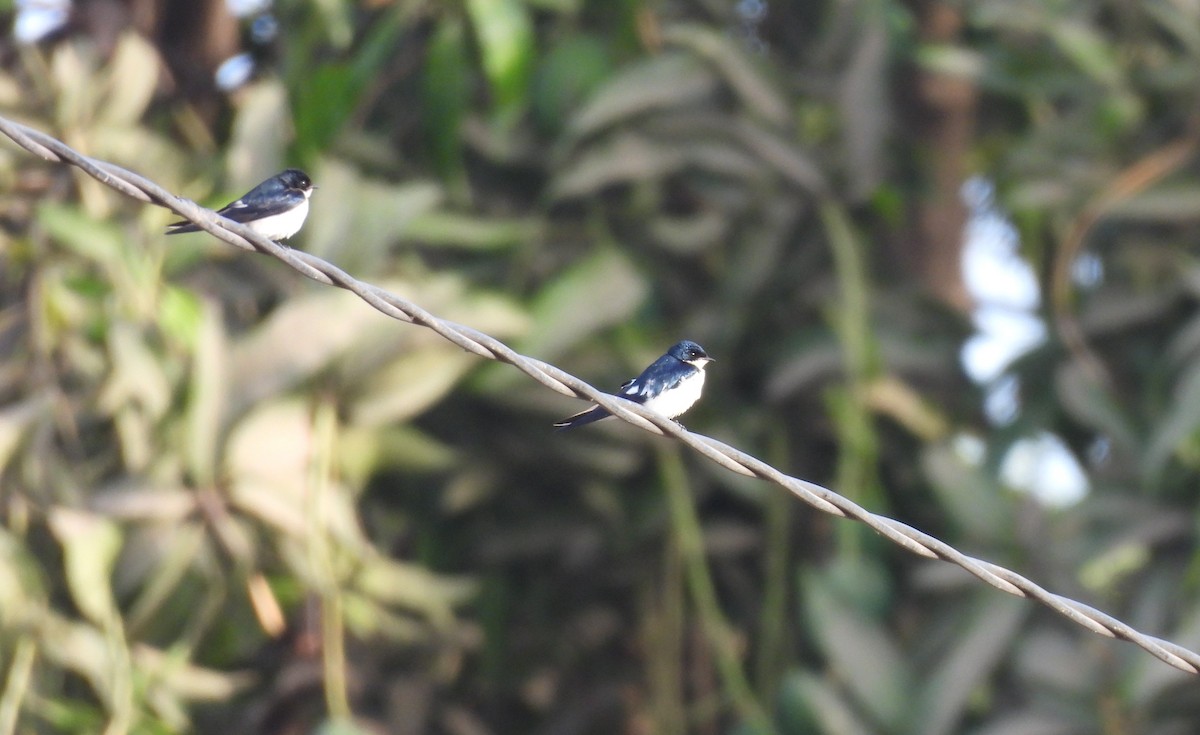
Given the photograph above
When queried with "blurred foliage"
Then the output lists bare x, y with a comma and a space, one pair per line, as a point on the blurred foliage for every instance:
236, 501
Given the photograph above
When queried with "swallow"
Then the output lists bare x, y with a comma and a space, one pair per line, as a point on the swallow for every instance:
275, 209
669, 386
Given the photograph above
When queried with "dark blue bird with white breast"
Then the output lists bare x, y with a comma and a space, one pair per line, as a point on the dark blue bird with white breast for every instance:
275, 209
669, 386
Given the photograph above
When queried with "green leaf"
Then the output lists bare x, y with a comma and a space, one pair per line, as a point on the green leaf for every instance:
967, 494
782, 155
322, 104
626, 158
180, 314
452, 230
993, 622
951, 60
1094, 405
1108, 570
415, 588
1177, 21
256, 149
90, 545
133, 74
171, 671
81, 648
343, 727
445, 94
811, 704
864, 103
206, 397
15, 420
1180, 422
728, 58
370, 619
100, 242
356, 219
21, 585
1173, 204
670, 79
364, 451
599, 292
568, 74
410, 384
137, 393
1088, 49
274, 358
267, 463
326, 96
861, 652
504, 32
138, 373
163, 580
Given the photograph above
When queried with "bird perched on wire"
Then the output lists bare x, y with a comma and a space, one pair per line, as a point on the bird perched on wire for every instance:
275, 209
669, 386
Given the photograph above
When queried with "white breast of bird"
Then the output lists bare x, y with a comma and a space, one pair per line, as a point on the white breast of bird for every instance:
281, 226
672, 403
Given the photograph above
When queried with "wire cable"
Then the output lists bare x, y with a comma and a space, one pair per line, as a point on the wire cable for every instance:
483, 345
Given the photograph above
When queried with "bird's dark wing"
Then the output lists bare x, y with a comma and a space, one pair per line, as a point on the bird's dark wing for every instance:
176, 228
663, 374
243, 211
240, 211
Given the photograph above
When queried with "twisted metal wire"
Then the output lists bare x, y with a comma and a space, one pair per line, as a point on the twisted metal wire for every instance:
483, 345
